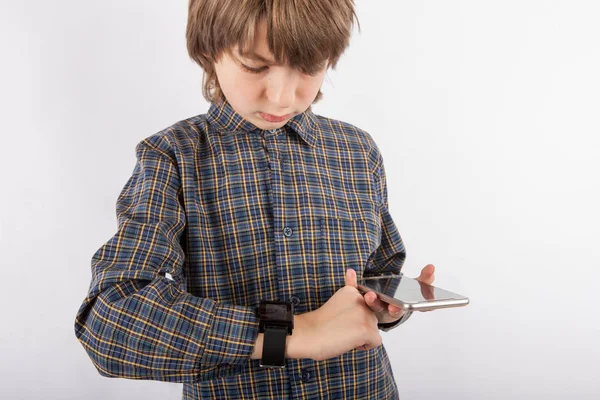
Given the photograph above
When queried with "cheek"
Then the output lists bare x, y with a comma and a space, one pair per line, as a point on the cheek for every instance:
249, 85
239, 86
313, 84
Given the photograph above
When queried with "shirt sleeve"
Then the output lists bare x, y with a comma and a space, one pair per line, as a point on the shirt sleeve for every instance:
137, 323
390, 255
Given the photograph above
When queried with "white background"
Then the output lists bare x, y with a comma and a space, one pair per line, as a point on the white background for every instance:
486, 113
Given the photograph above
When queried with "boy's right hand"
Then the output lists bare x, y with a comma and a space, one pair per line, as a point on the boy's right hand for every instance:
343, 323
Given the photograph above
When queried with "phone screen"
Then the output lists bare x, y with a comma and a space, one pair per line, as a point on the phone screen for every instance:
406, 289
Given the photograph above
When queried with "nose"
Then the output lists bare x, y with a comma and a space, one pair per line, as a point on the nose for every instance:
281, 90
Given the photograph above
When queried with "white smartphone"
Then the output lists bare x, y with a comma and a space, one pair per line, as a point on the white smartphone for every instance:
410, 294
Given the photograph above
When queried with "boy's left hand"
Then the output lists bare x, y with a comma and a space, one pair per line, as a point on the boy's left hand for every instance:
387, 313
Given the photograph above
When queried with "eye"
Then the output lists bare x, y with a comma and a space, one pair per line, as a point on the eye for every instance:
252, 70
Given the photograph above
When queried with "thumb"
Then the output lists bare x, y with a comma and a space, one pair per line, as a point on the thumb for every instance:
351, 277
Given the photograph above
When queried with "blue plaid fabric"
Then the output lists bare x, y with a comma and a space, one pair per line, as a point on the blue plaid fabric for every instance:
219, 214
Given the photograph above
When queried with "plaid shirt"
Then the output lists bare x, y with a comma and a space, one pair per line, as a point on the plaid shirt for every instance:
219, 214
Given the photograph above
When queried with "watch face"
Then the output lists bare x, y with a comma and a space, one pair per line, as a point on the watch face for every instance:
275, 311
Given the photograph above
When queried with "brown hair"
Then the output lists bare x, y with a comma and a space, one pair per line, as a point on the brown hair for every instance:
301, 33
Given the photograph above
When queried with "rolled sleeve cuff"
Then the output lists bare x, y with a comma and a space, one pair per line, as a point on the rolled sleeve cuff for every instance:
232, 337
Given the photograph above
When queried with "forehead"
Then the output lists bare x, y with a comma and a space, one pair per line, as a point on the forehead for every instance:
259, 49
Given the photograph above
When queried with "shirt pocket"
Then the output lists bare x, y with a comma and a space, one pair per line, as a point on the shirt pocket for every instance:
344, 243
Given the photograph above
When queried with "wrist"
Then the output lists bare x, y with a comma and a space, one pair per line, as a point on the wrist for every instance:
258, 346
297, 345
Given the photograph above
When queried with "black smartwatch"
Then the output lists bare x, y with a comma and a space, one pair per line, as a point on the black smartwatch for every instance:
276, 321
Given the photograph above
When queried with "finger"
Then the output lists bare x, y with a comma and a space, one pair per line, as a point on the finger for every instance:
374, 303
431, 279
428, 270
427, 280
351, 278
427, 274
395, 312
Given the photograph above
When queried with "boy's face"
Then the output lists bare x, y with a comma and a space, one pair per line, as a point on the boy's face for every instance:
278, 90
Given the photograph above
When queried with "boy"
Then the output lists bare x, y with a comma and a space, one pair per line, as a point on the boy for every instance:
259, 199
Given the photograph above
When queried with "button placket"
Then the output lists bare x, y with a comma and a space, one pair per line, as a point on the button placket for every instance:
284, 211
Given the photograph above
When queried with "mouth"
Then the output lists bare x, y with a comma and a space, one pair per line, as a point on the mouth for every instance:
274, 118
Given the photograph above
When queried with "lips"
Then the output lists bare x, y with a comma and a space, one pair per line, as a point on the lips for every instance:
274, 118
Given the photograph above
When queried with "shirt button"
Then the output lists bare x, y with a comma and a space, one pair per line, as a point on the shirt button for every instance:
305, 375
295, 300
287, 231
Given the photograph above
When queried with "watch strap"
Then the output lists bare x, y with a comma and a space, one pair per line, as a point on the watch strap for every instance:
273, 354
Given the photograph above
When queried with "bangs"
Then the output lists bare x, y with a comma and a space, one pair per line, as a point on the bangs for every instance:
301, 34
304, 41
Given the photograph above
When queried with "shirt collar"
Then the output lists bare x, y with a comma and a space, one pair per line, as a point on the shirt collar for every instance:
227, 119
